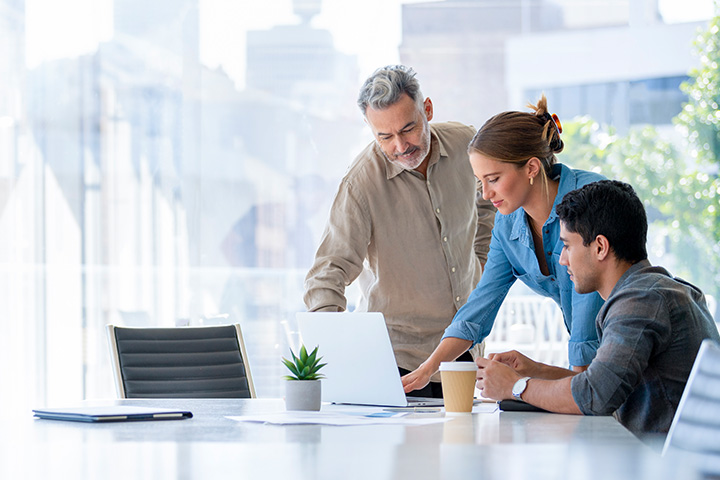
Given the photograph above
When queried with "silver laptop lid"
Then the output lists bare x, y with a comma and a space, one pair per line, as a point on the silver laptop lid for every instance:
361, 366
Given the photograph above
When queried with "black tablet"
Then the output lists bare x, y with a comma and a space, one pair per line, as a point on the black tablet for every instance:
519, 406
116, 413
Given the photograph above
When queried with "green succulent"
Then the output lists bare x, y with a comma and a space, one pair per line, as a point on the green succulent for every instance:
304, 366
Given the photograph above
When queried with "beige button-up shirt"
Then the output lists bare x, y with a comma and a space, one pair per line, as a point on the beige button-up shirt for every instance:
424, 240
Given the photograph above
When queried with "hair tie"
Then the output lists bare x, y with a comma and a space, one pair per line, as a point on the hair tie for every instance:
557, 143
557, 123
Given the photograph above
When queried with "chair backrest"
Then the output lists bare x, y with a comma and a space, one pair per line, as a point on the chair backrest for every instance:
180, 362
696, 426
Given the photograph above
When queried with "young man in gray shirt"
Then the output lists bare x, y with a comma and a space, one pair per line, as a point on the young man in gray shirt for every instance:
410, 210
650, 327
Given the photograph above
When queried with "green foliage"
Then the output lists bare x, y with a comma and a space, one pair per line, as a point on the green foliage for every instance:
680, 195
677, 180
304, 366
700, 120
700, 115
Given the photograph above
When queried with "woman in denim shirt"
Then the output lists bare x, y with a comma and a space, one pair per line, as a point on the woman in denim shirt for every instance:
513, 155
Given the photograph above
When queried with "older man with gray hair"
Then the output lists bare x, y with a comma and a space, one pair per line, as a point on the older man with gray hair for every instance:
408, 211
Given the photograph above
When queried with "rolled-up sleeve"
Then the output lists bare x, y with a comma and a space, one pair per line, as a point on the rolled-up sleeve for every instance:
342, 250
632, 328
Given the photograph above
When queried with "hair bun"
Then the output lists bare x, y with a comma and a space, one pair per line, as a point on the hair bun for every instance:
557, 145
540, 108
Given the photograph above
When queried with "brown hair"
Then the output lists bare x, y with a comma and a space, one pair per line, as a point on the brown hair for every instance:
516, 137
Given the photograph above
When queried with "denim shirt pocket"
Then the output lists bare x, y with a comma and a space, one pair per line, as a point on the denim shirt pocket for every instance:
541, 288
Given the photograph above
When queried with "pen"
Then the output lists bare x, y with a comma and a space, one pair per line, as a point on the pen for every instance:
485, 400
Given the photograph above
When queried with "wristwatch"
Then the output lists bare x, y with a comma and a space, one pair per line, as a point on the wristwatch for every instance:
520, 387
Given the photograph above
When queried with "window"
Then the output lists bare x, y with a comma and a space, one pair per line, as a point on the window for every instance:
173, 162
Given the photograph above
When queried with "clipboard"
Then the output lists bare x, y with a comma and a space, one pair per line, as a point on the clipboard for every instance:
115, 413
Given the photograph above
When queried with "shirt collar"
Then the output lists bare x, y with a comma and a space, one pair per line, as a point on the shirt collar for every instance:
437, 151
634, 268
567, 182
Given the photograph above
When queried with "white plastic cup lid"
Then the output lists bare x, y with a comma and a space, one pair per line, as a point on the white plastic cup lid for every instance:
458, 366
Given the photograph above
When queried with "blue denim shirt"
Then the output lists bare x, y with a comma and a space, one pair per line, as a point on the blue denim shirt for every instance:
512, 256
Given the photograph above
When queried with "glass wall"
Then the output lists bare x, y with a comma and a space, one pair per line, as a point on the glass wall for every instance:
172, 162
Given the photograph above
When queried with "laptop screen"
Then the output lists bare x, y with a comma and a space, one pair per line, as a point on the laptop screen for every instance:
361, 366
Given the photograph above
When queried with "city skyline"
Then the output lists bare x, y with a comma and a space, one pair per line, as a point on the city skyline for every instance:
54, 30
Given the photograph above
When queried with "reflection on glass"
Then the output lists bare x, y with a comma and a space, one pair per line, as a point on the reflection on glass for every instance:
173, 162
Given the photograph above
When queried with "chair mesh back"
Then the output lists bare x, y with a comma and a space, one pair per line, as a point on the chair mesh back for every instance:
696, 426
195, 362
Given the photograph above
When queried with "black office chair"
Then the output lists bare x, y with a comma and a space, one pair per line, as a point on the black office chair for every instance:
695, 432
181, 362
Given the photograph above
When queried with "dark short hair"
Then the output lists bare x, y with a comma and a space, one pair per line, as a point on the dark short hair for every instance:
609, 208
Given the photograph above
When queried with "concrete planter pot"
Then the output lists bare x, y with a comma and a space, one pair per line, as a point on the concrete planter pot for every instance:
303, 395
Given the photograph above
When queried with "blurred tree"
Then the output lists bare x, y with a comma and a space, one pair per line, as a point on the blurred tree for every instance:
700, 122
677, 180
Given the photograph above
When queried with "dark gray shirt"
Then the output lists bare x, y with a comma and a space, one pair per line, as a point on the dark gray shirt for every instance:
650, 330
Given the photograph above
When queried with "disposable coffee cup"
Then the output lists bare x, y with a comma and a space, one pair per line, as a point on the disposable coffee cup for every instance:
458, 386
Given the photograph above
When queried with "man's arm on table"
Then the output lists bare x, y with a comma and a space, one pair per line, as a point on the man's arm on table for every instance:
549, 388
551, 395
448, 350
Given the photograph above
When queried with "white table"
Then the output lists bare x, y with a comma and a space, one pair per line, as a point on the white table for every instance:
501, 445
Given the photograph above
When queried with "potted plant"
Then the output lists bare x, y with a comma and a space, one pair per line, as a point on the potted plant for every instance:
303, 388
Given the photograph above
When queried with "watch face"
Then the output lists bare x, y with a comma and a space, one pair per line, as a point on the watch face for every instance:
519, 387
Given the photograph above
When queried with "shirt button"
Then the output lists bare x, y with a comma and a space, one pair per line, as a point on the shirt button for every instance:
444, 239
457, 299
452, 269
552, 279
547, 231
549, 253
437, 210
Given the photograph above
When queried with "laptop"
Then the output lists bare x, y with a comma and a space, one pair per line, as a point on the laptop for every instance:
361, 367
117, 413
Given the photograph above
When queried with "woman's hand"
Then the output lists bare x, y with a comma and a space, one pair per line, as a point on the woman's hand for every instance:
416, 379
